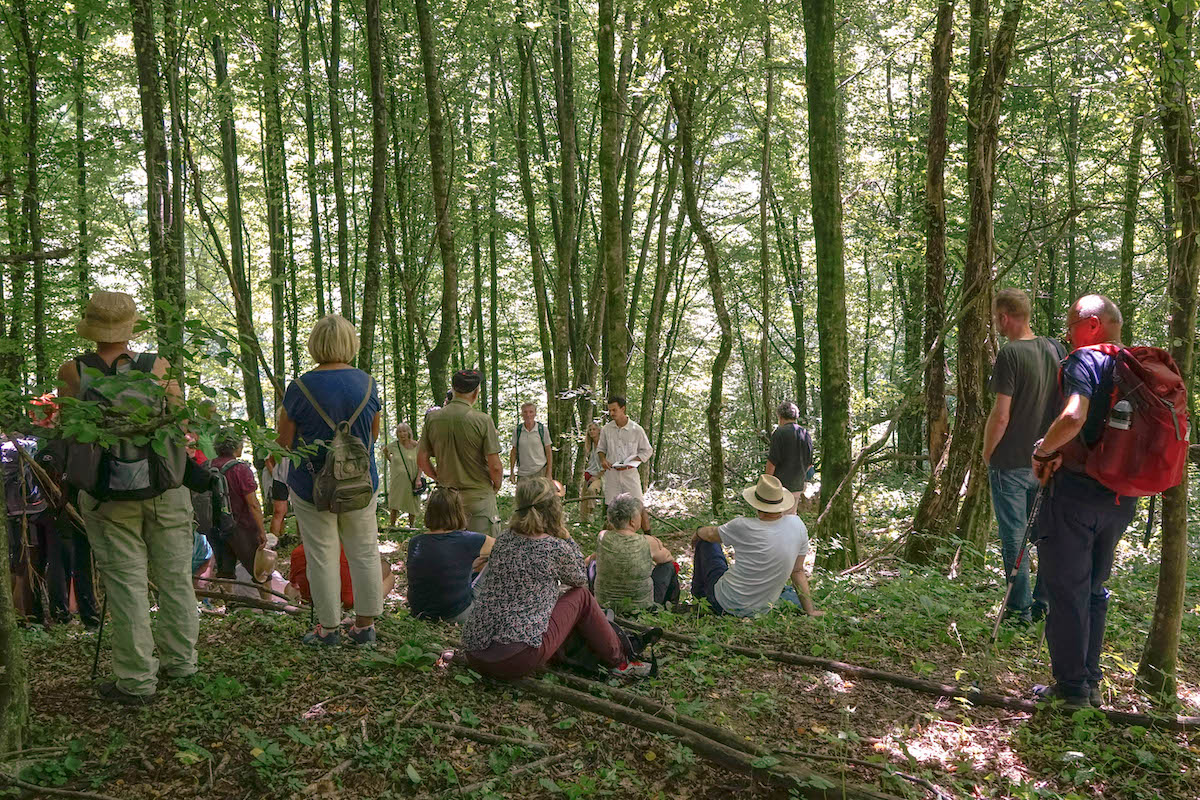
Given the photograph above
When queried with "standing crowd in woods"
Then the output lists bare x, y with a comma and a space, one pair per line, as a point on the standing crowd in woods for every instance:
144, 509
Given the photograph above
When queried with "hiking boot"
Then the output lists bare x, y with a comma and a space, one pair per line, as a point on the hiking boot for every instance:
640, 641
363, 637
322, 638
109, 690
1094, 695
1054, 692
631, 669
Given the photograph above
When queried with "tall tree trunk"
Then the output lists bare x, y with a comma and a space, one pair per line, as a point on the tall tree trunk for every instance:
275, 165
379, 137
563, 59
1129, 224
800, 362
333, 68
310, 131
764, 242
683, 96
13, 358
176, 269
936, 424
493, 240
1072, 152
611, 246
908, 287
476, 254
1156, 674
247, 336
14, 678
938, 514
82, 271
31, 50
439, 356
824, 149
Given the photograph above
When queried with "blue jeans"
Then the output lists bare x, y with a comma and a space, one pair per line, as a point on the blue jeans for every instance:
1013, 491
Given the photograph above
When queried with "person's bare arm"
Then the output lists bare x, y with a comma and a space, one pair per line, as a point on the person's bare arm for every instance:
512, 462
375, 423
495, 470
709, 533
486, 550
256, 513
997, 424
770, 468
1065, 428
174, 393
800, 581
549, 461
658, 551
286, 430
423, 461
68, 379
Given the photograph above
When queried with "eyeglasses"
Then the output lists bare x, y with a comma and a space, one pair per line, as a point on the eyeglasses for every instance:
1071, 325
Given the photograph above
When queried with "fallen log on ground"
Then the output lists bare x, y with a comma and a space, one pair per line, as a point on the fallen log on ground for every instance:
783, 776
251, 602
970, 694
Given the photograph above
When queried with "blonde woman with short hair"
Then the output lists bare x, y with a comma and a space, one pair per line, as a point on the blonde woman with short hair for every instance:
340, 390
405, 475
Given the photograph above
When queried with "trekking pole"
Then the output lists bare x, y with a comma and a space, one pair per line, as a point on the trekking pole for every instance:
99, 636
1012, 575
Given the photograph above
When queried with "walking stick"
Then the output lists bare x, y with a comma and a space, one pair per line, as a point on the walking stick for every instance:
99, 636
1012, 575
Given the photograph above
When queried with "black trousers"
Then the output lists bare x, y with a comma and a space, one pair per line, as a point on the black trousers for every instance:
1078, 529
71, 567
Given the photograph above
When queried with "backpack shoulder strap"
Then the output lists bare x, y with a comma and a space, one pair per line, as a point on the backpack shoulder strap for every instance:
92, 360
541, 432
230, 465
363, 404
145, 362
317, 406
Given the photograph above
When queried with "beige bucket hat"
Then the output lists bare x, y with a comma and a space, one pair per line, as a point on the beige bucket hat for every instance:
264, 564
769, 495
109, 317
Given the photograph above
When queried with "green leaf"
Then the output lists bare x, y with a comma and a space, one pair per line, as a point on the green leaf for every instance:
299, 736
413, 775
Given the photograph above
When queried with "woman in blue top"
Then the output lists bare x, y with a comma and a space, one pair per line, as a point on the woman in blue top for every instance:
440, 562
339, 389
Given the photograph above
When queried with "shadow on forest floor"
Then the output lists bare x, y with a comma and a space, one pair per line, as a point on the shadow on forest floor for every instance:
268, 718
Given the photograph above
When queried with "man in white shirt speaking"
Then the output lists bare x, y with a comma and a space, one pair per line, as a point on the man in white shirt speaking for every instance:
623, 446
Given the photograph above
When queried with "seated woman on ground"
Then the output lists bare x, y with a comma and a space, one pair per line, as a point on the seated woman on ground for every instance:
631, 570
519, 621
439, 562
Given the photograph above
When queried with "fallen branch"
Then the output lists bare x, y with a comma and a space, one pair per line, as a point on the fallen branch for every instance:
530, 767
936, 790
778, 775
970, 694
480, 736
47, 790
257, 587
315, 786
250, 601
32, 752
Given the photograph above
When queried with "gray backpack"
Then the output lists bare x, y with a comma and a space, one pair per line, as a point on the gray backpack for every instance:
344, 482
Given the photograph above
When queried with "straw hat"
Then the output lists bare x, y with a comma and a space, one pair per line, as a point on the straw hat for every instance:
109, 317
769, 495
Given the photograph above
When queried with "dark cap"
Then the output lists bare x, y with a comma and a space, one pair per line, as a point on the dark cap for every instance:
466, 381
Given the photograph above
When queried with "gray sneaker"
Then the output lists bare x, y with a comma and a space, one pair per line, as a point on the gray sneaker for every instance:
322, 638
363, 637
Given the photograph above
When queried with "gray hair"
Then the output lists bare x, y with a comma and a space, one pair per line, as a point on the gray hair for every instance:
333, 339
1099, 306
623, 510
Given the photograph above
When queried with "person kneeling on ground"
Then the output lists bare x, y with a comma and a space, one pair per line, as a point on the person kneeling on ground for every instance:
631, 569
298, 587
519, 621
439, 562
769, 548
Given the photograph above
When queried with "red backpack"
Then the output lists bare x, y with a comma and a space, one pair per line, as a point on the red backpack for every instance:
1143, 447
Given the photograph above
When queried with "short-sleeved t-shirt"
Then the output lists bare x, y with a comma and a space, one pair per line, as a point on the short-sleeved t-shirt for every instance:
439, 573
1089, 373
791, 452
764, 553
339, 391
531, 448
240, 478
1027, 371
460, 439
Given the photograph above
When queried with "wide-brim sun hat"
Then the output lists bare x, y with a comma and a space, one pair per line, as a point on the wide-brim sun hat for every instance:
109, 317
769, 495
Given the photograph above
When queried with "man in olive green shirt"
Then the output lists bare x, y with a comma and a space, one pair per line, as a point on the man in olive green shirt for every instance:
460, 449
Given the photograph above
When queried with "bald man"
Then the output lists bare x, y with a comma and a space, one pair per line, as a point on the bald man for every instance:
1081, 520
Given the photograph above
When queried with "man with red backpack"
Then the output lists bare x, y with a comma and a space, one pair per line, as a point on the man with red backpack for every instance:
1122, 434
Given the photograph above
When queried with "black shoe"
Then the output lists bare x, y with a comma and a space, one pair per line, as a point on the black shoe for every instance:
1094, 695
1054, 693
641, 641
110, 691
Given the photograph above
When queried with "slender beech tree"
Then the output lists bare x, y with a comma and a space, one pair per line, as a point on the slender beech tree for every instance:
310, 139
379, 139
493, 239
1132, 193
764, 242
176, 250
824, 159
82, 271
333, 67
31, 48
936, 422
612, 250
1156, 673
439, 356
275, 165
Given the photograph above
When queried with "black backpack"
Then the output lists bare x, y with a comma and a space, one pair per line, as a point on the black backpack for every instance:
222, 509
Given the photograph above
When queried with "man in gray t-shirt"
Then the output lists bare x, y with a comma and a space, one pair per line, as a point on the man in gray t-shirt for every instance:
532, 455
1025, 381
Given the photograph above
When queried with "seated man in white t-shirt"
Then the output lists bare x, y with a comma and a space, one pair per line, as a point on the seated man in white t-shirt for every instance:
768, 549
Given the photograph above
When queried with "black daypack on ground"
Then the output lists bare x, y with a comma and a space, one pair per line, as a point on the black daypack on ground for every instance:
576, 655
123, 471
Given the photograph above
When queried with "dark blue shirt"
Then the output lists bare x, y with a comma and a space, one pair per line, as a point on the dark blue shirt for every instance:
439, 573
1089, 373
339, 391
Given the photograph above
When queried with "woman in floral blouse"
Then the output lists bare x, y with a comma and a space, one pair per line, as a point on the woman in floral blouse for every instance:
520, 621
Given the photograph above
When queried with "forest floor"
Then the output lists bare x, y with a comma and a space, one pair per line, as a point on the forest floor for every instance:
266, 717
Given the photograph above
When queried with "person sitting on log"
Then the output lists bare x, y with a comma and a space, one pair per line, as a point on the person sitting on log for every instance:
440, 561
519, 621
769, 548
631, 570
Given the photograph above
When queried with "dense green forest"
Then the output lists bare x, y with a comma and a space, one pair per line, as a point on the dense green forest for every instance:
707, 207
